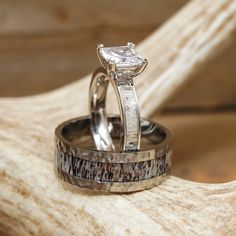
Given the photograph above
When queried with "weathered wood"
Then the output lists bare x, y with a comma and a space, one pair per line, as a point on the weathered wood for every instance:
46, 45
213, 86
34, 201
209, 30
39, 16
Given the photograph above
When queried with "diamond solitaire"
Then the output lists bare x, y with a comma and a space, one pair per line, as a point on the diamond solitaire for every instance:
122, 59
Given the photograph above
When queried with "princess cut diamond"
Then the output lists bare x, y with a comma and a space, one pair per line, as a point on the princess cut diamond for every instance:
124, 58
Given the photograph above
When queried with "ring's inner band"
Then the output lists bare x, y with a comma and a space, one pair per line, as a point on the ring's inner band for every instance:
130, 119
99, 124
79, 133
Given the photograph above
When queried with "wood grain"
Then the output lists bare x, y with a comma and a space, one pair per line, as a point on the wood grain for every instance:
44, 45
205, 35
212, 87
34, 202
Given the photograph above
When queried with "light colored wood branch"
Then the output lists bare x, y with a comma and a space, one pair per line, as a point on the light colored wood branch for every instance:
34, 202
182, 46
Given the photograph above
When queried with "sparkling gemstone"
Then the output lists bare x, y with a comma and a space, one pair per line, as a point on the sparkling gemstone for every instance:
124, 57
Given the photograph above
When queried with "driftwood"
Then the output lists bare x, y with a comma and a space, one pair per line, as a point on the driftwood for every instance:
34, 201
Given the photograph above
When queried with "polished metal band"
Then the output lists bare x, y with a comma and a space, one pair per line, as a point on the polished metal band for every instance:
78, 162
128, 105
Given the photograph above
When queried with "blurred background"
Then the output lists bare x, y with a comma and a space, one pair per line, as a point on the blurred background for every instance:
46, 44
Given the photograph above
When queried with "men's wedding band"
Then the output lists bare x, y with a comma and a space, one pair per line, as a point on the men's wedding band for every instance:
80, 163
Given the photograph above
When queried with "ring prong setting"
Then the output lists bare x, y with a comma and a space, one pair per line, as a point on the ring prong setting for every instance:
121, 59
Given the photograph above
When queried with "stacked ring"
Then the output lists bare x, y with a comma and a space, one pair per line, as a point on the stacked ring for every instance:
113, 153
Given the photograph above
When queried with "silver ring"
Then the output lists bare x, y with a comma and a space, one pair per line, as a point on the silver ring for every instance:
80, 163
119, 66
